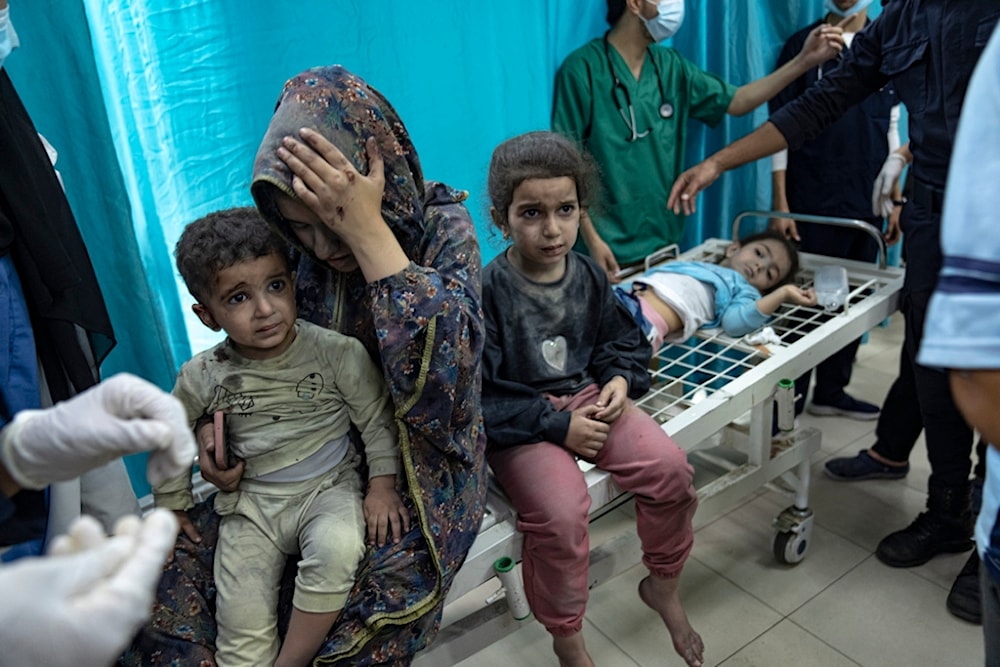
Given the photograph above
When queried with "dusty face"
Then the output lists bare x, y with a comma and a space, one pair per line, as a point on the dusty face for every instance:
254, 302
763, 263
315, 235
543, 221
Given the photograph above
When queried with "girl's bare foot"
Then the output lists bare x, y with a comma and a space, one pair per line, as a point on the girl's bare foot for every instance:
571, 651
661, 595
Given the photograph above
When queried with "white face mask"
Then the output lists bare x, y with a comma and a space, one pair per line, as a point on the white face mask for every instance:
830, 6
668, 19
8, 38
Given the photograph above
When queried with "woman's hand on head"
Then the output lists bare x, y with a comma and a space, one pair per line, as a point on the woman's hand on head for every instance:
348, 202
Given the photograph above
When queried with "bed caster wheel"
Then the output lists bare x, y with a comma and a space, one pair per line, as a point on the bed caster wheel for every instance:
791, 539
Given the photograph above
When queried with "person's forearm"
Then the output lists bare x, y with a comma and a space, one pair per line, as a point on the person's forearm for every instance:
751, 95
762, 142
379, 254
769, 303
779, 196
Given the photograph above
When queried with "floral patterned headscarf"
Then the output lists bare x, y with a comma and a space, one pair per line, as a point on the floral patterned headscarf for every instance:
346, 110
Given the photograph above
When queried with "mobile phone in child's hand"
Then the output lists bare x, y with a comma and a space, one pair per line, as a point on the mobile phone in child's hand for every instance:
221, 460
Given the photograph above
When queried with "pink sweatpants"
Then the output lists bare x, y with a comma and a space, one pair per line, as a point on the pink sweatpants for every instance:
550, 495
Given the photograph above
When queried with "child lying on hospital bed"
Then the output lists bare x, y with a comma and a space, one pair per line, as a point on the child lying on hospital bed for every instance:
739, 294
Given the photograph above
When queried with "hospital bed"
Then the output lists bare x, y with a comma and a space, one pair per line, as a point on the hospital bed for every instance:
715, 396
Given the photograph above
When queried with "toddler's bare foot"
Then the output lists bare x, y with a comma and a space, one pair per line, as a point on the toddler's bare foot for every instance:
571, 651
661, 595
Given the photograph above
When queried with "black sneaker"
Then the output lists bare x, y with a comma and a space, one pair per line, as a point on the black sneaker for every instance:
964, 599
845, 406
861, 467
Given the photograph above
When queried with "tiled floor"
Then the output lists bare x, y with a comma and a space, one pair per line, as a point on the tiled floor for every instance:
839, 606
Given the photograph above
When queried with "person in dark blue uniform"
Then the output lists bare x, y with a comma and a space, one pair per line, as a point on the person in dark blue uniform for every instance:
832, 175
927, 49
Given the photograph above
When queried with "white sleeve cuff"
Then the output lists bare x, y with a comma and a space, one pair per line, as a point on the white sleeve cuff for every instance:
779, 161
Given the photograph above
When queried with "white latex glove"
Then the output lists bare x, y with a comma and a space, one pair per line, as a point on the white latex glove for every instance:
886, 180
122, 415
85, 607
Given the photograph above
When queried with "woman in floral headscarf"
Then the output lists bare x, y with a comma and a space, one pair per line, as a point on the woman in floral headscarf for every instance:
393, 261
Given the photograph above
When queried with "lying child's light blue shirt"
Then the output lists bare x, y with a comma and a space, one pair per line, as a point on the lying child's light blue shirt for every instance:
735, 298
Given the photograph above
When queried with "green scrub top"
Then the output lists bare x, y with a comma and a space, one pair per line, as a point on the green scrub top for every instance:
632, 215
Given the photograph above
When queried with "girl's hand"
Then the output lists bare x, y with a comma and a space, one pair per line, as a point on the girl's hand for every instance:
799, 295
586, 433
384, 511
612, 400
348, 202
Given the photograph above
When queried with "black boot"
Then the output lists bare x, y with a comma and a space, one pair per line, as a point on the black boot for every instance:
946, 527
964, 598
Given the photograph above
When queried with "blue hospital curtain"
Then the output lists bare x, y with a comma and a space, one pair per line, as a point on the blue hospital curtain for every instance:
157, 109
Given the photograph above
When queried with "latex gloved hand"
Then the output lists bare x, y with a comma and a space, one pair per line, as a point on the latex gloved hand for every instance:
122, 415
886, 180
83, 607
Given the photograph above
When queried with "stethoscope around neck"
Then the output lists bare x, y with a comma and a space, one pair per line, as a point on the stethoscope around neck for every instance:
666, 108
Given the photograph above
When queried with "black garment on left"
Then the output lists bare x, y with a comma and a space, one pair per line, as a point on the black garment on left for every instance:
39, 231
69, 320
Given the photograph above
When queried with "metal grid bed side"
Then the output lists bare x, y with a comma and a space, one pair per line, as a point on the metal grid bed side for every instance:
691, 410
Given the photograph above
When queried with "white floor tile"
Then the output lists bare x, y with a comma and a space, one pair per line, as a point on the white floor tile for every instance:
739, 547
884, 617
532, 645
863, 512
788, 644
724, 616
839, 433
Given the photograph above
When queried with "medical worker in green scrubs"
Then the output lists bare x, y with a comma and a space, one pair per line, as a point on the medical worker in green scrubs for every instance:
628, 101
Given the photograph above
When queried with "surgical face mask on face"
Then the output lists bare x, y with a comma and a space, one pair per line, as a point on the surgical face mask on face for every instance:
831, 6
8, 38
668, 19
